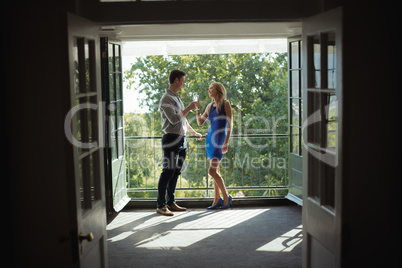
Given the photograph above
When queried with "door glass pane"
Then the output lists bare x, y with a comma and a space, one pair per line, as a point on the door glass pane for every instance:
314, 117
97, 175
331, 128
94, 178
329, 183
94, 120
91, 117
314, 175
118, 86
112, 76
316, 68
295, 112
111, 87
87, 65
90, 124
119, 114
113, 145
81, 183
91, 177
331, 120
331, 60
76, 121
83, 123
116, 52
301, 54
112, 117
82, 82
86, 178
92, 66
75, 66
295, 140
120, 142
295, 83
294, 47
117, 58
89, 180
111, 58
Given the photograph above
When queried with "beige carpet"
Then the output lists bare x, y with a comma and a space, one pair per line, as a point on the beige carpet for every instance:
238, 237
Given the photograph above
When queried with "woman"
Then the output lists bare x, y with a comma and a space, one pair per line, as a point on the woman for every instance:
219, 113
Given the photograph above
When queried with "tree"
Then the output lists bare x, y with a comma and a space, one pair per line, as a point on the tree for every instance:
257, 90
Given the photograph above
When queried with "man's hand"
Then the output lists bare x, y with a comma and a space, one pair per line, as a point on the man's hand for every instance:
189, 108
199, 135
193, 105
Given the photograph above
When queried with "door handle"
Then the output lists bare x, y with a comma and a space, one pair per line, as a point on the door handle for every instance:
89, 237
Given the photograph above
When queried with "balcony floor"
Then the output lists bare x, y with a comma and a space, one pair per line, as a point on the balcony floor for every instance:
237, 237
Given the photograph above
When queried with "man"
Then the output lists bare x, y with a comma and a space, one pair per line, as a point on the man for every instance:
174, 144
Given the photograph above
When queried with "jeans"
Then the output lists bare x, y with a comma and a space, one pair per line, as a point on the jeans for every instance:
174, 154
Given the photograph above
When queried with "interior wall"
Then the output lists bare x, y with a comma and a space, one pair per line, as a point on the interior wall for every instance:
35, 49
191, 11
372, 140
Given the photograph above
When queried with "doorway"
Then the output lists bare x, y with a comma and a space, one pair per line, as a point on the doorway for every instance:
304, 36
179, 39
296, 97
146, 217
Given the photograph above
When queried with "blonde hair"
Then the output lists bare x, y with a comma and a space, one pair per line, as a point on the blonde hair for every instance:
221, 97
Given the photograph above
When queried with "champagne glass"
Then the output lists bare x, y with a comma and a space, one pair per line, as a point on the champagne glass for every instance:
195, 98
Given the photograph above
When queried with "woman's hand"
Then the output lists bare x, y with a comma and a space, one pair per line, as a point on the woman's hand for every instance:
225, 148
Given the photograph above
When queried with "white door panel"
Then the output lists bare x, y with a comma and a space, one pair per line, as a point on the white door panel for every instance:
322, 143
86, 123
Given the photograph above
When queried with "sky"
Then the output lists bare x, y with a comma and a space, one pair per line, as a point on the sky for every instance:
131, 97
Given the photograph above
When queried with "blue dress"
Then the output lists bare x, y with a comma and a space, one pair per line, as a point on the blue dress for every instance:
216, 134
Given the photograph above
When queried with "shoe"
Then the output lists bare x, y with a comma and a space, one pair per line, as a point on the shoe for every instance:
175, 207
228, 205
164, 211
218, 204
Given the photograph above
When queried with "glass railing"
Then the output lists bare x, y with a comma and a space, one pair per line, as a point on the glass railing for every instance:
254, 166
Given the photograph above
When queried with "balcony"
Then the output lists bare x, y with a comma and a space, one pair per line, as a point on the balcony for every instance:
255, 166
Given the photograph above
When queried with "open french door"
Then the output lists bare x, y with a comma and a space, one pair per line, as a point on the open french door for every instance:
322, 143
295, 193
85, 123
112, 95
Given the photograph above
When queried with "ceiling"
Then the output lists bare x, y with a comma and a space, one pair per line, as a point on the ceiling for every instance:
202, 38
202, 31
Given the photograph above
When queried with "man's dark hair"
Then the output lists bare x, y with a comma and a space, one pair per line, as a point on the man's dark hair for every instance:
176, 74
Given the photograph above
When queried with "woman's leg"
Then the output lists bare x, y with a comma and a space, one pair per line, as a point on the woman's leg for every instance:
217, 194
218, 182
216, 190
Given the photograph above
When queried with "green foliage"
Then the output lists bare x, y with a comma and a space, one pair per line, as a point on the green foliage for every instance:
257, 88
